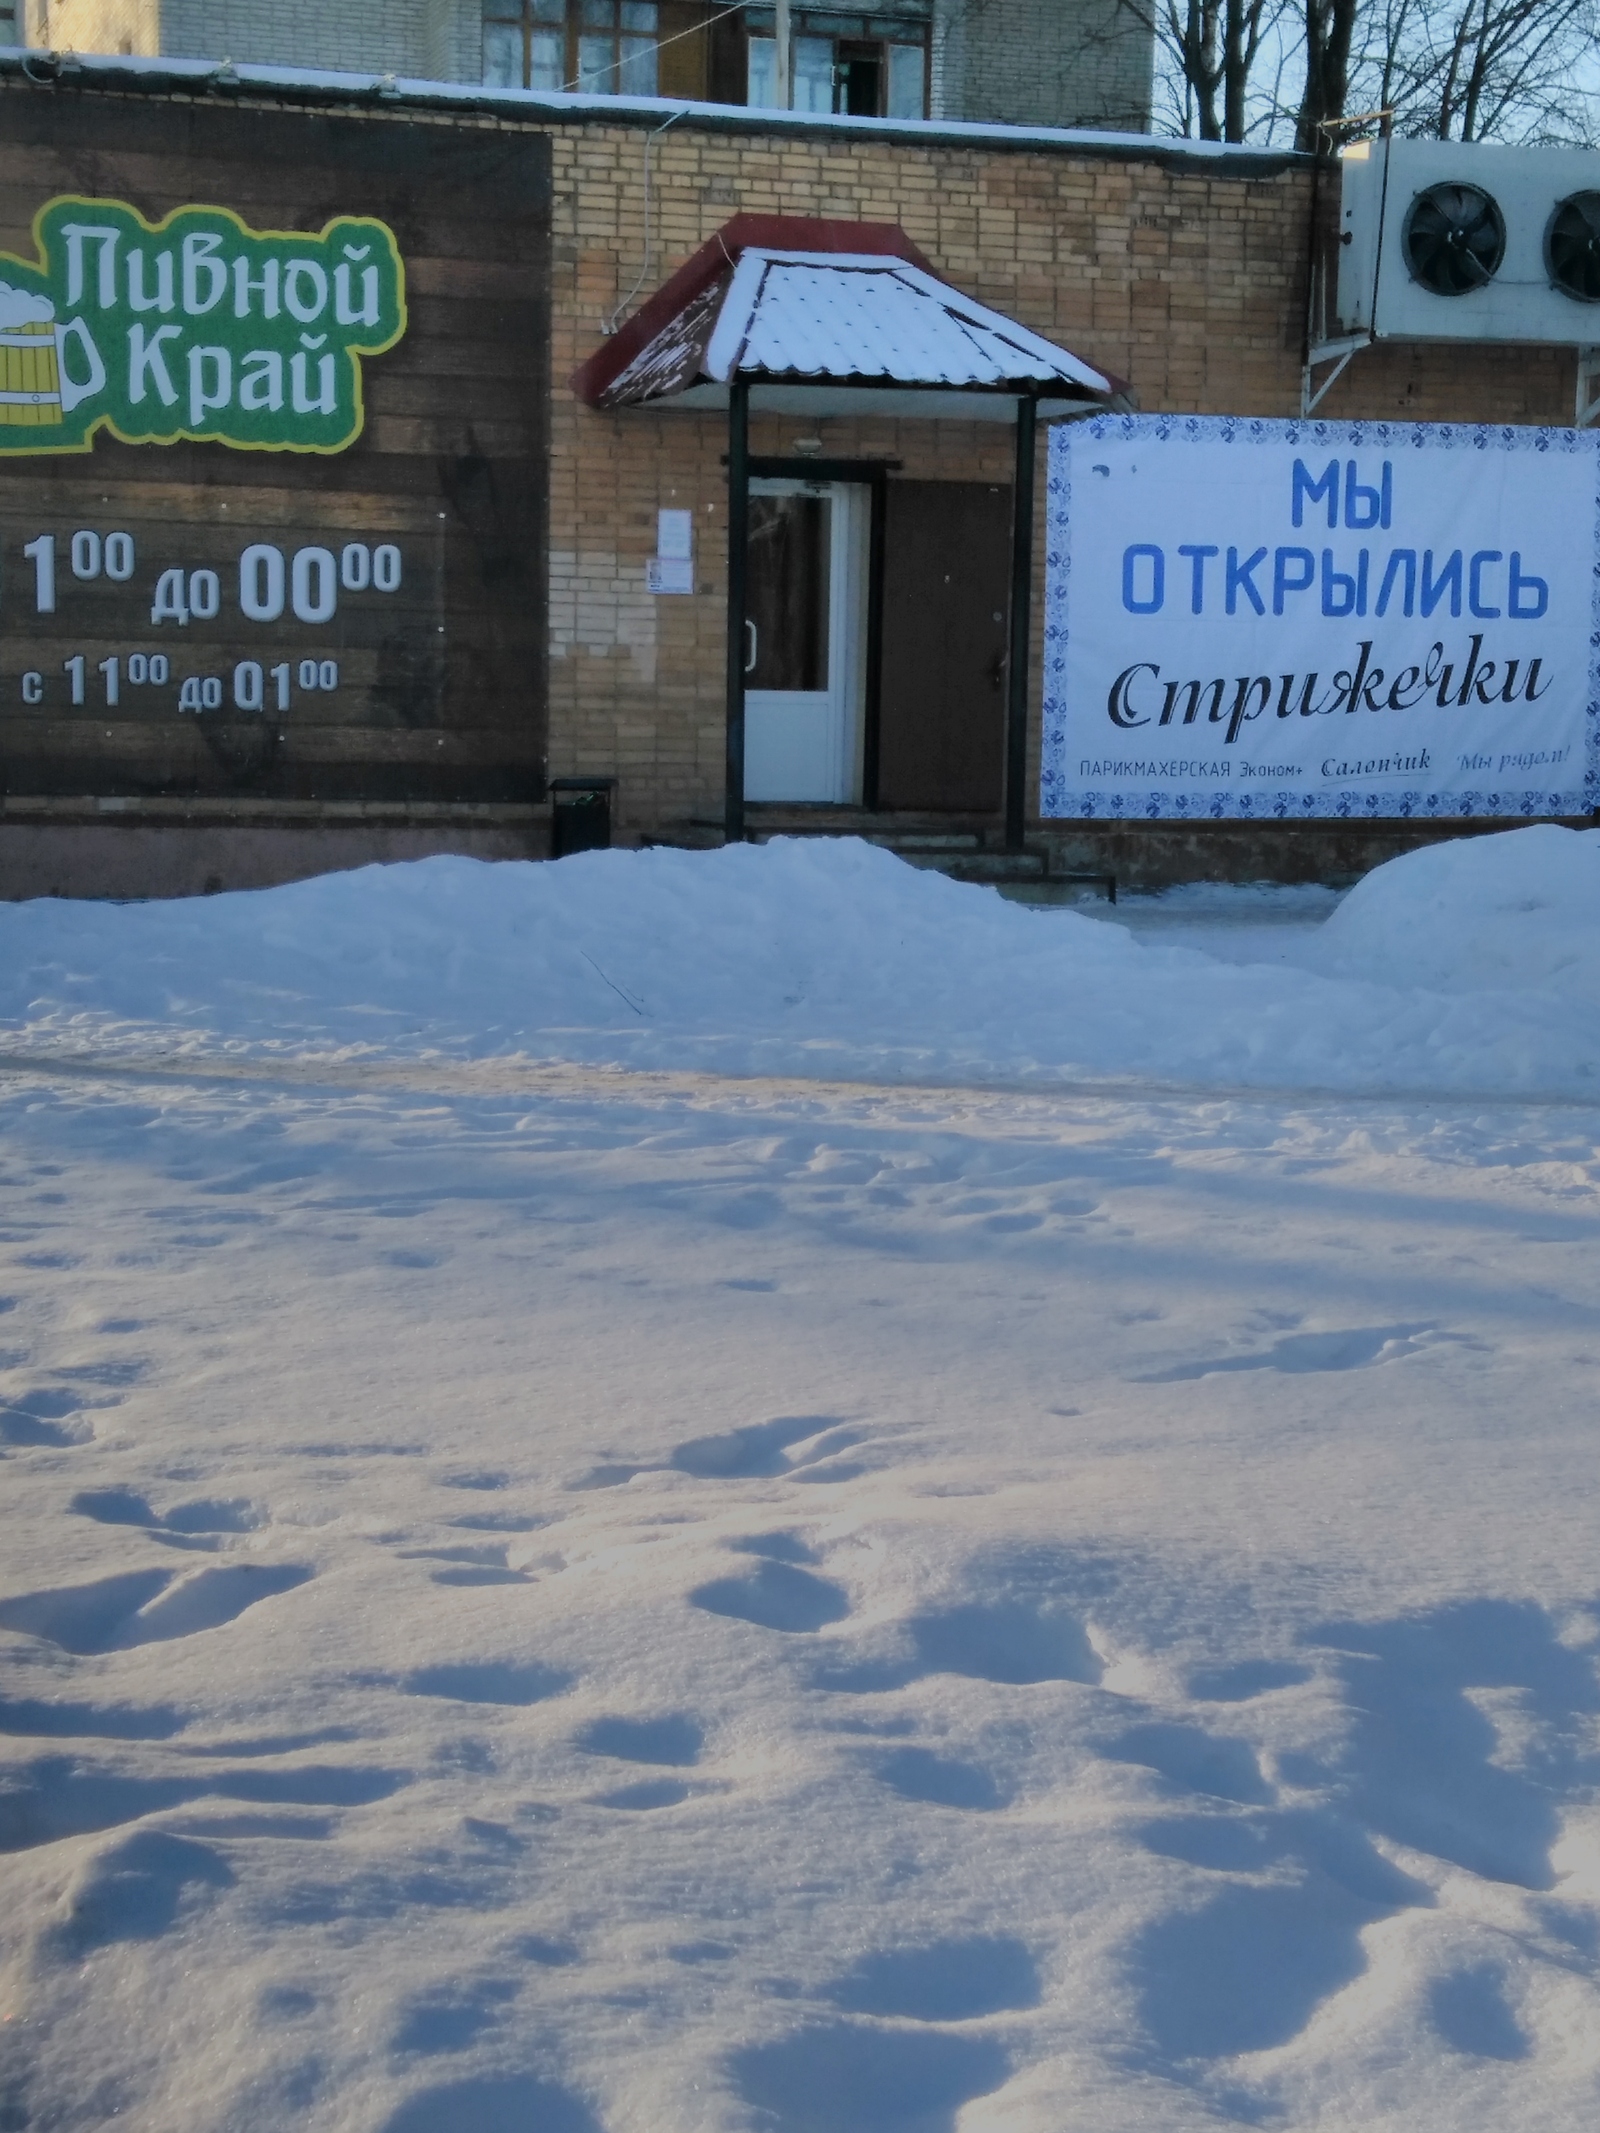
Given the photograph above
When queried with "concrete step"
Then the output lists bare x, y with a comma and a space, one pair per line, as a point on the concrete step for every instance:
980, 866
905, 841
1055, 894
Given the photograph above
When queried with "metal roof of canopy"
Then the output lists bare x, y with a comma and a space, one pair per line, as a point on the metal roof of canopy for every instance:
831, 327
820, 317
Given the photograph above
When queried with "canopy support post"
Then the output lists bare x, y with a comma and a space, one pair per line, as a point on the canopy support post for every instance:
1021, 618
738, 558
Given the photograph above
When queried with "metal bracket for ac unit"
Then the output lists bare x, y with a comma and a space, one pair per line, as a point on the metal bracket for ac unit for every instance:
1587, 405
1338, 353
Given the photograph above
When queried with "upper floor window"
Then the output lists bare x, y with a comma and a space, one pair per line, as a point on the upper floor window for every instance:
869, 67
606, 47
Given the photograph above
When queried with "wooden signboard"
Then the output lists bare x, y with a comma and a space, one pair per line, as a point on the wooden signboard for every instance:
274, 392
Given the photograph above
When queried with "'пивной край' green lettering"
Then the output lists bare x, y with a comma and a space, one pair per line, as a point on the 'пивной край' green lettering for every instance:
196, 327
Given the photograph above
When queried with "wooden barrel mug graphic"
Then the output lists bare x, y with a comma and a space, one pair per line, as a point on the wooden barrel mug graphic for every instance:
36, 388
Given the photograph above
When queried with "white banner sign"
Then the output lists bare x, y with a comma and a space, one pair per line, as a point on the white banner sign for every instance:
1294, 619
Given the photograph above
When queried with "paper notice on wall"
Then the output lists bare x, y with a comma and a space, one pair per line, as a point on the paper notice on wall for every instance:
666, 574
675, 535
1290, 620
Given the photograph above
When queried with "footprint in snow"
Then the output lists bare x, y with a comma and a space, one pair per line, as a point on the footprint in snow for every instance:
53, 1415
451, 2021
940, 1781
775, 1596
844, 2076
1357, 1348
1017, 1641
759, 1451
675, 1740
198, 1524
1469, 2012
64, 1796
1421, 1763
493, 2103
31, 1718
146, 1606
941, 1981
481, 1563
1245, 1681
650, 1792
1013, 1642
515, 1684
1196, 1761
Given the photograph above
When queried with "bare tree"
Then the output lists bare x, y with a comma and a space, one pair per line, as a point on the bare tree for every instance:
1211, 55
1474, 70
1330, 27
1467, 70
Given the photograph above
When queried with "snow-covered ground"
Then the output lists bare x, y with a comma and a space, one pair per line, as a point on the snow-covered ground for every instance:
1030, 1565
1251, 922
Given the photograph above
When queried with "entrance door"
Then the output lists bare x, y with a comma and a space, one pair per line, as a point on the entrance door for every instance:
804, 664
946, 593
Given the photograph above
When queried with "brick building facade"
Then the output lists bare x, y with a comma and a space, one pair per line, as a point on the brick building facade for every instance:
1182, 272
1014, 62
1178, 268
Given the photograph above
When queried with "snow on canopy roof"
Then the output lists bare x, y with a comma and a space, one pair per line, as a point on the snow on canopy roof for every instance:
825, 316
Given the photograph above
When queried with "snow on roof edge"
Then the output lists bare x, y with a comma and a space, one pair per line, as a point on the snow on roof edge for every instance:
560, 105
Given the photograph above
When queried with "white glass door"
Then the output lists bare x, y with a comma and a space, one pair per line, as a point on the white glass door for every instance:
804, 664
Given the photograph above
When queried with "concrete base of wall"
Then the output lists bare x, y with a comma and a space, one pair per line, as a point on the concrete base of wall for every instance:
1159, 855
130, 861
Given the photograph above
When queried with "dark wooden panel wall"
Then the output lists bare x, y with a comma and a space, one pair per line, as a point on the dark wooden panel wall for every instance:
436, 691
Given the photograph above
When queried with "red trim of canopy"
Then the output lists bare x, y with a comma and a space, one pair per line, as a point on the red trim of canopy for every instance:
784, 233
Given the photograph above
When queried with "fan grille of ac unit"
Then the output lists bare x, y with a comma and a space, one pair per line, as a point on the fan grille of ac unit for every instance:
1454, 239
1572, 247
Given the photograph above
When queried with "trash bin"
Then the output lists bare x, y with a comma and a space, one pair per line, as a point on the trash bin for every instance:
580, 815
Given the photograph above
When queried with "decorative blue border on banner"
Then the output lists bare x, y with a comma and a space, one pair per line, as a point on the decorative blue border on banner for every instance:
1061, 801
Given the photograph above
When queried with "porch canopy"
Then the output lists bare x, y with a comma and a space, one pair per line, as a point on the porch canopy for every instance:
831, 318
820, 318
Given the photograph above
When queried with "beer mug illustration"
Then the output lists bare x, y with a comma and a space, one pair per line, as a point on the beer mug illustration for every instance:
36, 387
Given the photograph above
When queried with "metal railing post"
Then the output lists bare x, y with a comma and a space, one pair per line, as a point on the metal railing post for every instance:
738, 560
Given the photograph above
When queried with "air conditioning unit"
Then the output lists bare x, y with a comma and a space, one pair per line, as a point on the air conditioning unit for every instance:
1452, 241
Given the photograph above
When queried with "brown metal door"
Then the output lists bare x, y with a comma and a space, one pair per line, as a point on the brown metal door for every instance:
942, 696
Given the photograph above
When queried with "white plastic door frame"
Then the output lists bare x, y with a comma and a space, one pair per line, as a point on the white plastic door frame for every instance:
805, 747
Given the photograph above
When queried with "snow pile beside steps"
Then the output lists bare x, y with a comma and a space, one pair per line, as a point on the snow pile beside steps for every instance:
1472, 967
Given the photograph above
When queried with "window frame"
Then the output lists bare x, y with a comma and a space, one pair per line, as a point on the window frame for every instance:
840, 29
573, 32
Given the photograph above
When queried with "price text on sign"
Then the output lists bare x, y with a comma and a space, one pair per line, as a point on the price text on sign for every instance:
269, 585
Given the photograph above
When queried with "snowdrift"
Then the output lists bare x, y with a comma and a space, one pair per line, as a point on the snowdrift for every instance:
1471, 967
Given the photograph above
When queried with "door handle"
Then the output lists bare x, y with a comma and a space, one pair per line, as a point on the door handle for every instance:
750, 663
997, 669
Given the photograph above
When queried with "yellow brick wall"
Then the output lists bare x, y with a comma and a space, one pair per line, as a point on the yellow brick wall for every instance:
1187, 282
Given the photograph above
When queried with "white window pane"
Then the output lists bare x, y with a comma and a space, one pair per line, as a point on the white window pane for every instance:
596, 14
762, 80
552, 11
502, 55
905, 81
637, 74
549, 57
595, 65
813, 74
639, 15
